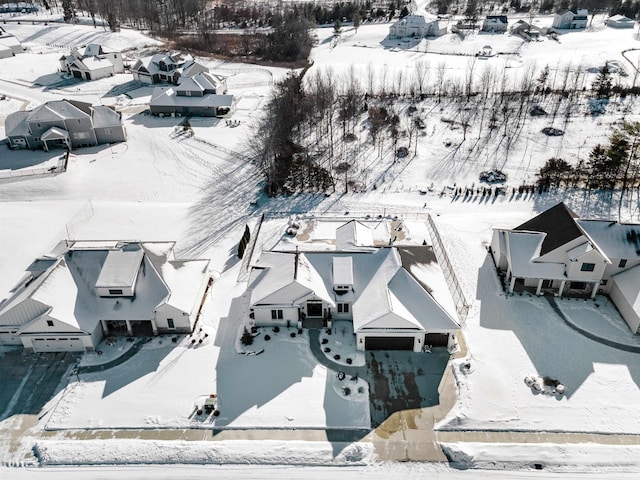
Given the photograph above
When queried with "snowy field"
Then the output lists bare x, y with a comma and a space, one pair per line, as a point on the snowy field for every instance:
164, 186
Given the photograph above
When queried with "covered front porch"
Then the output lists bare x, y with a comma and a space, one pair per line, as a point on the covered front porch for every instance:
56, 137
555, 287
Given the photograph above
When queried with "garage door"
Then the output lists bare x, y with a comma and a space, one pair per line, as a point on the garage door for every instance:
388, 343
73, 344
437, 339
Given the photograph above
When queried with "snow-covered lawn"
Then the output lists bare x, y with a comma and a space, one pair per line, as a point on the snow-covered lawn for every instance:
512, 337
341, 341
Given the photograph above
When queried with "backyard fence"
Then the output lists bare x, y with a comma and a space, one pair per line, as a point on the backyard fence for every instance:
462, 307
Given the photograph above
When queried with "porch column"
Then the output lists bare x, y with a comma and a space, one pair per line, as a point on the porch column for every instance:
595, 290
512, 284
154, 327
105, 329
539, 289
46, 147
561, 288
129, 329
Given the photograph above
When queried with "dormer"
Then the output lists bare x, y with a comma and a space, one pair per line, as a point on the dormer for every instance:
120, 271
342, 275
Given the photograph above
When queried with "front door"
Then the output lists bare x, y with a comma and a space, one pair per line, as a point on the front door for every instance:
314, 309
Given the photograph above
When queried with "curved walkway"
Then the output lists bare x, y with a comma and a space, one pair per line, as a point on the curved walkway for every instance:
316, 350
116, 361
589, 334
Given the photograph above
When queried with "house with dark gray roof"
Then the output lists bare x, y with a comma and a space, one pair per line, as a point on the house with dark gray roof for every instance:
203, 95
558, 253
64, 124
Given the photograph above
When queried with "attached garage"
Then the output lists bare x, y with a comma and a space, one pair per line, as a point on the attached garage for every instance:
58, 344
437, 339
388, 343
625, 294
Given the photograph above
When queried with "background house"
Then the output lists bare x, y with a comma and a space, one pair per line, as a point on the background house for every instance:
95, 62
166, 67
371, 287
620, 21
64, 123
560, 254
9, 41
570, 19
495, 23
203, 95
80, 292
417, 25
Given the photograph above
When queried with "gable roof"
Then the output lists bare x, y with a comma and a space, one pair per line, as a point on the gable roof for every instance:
628, 283
353, 234
615, 240
558, 223
65, 287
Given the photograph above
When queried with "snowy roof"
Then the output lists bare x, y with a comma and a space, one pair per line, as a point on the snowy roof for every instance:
353, 234
391, 298
615, 240
66, 289
621, 18
54, 133
579, 251
56, 110
104, 117
95, 49
201, 82
121, 267
152, 64
166, 97
342, 270
9, 40
95, 63
558, 223
285, 278
16, 125
523, 248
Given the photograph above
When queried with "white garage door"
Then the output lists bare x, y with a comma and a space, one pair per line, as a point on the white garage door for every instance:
63, 344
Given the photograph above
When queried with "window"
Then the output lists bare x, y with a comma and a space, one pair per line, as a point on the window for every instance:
170, 324
588, 267
49, 323
343, 308
188, 93
115, 291
80, 135
578, 285
276, 315
622, 263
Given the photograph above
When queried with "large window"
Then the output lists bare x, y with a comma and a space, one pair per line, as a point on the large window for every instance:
343, 308
170, 324
115, 291
588, 267
622, 263
276, 315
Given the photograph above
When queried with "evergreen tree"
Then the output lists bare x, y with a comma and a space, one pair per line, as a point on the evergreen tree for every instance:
601, 86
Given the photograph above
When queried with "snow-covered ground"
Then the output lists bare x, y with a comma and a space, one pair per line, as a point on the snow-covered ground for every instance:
163, 186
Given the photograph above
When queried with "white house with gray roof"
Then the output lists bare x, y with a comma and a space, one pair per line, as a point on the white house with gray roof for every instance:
80, 292
64, 123
94, 62
558, 253
166, 67
372, 287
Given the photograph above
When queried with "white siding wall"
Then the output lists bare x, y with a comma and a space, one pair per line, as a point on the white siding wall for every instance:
627, 312
262, 316
181, 320
593, 256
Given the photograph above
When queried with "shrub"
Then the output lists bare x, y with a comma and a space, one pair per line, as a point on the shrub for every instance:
327, 349
325, 341
346, 391
267, 338
360, 389
336, 357
293, 334
276, 329
349, 361
246, 339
